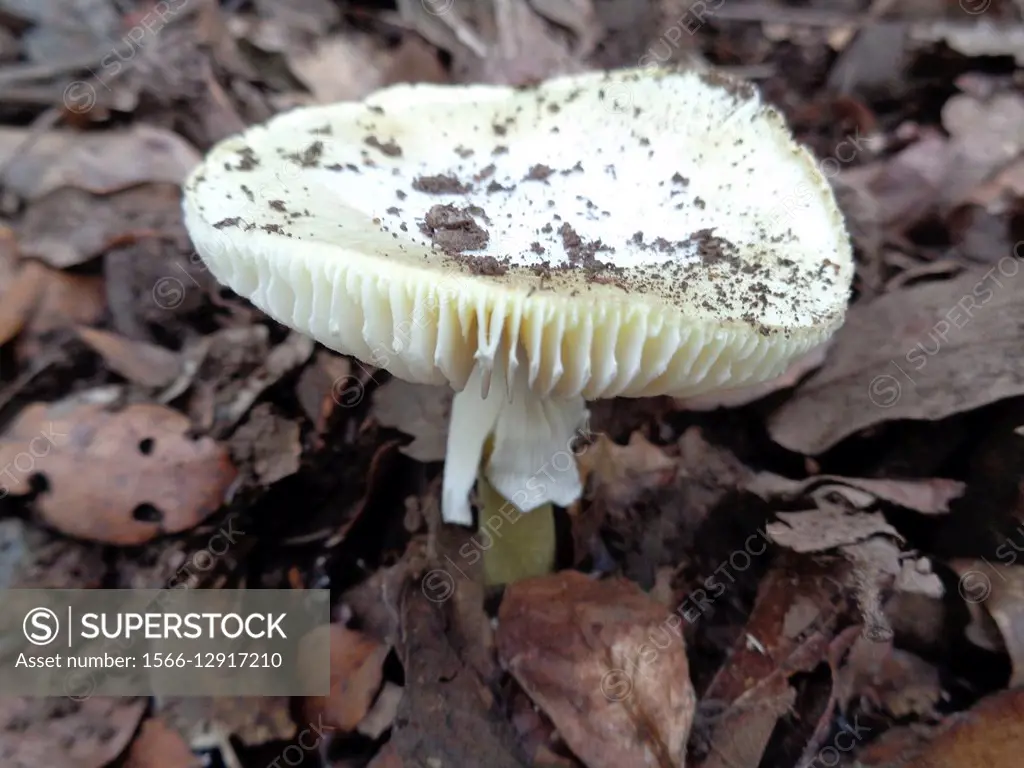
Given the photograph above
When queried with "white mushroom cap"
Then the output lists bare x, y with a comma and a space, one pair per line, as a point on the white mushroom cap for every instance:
610, 234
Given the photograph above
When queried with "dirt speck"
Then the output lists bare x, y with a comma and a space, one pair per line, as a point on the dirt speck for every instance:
391, 148
453, 229
441, 184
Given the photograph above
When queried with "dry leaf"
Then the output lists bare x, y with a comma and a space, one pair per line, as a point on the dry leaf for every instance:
386, 758
211, 719
158, 746
140, 362
269, 445
98, 162
983, 38
999, 590
989, 735
34, 558
605, 662
922, 353
789, 631
828, 527
622, 473
19, 300
987, 135
71, 226
291, 353
344, 67
900, 190
356, 671
929, 497
66, 733
418, 410
118, 477
448, 715
382, 713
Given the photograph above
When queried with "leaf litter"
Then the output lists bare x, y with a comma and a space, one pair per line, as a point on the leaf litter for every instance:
819, 570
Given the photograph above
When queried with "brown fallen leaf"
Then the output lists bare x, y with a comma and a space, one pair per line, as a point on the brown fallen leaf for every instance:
654, 510
67, 299
620, 474
605, 662
926, 352
903, 189
900, 682
387, 757
326, 385
158, 746
98, 162
138, 361
291, 353
356, 671
342, 67
929, 497
999, 590
267, 446
415, 61
827, 527
120, 477
790, 629
448, 715
988, 134
418, 410
66, 733
19, 299
989, 735
71, 226
984, 38
382, 713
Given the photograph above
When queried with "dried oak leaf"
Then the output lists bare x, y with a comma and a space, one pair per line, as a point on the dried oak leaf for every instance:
357, 662
417, 410
926, 352
621, 473
120, 477
930, 496
97, 162
158, 746
827, 527
605, 662
71, 734
19, 299
138, 361
790, 629
989, 735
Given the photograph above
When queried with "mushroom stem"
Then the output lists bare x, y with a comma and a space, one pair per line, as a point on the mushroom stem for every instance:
520, 547
522, 442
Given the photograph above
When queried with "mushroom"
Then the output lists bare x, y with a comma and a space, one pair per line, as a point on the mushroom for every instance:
622, 234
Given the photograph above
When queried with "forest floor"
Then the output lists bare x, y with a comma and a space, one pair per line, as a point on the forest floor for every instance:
833, 557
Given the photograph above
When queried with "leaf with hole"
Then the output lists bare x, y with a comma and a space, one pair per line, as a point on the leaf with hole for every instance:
121, 477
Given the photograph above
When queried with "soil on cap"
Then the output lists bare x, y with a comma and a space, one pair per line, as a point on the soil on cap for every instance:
442, 184
581, 253
391, 149
455, 230
248, 159
538, 172
309, 157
